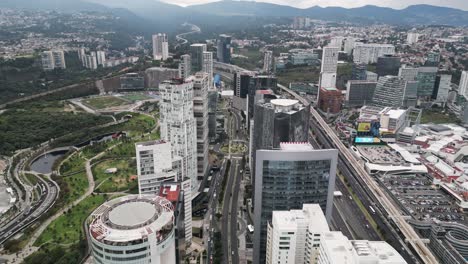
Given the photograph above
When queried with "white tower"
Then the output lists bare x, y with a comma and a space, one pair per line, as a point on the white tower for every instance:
160, 47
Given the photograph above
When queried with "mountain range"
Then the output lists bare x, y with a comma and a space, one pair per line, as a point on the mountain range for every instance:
161, 15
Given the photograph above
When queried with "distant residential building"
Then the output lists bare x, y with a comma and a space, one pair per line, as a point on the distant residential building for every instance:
81, 54
54, 59
336, 42
388, 65
160, 47
91, 61
369, 53
118, 61
185, 66
349, 45
408, 73
101, 57
359, 92
330, 100
286, 178
224, 48
154, 76
389, 92
359, 72
426, 78
463, 86
301, 23
433, 59
329, 67
196, 54
268, 62
132, 82
442, 88
208, 67
412, 38
201, 84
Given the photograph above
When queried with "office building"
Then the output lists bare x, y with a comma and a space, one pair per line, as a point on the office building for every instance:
268, 62
286, 178
329, 67
101, 57
200, 111
54, 59
260, 82
371, 76
359, 72
412, 38
185, 66
432, 60
160, 47
335, 248
178, 125
359, 93
463, 86
389, 92
196, 54
133, 229
242, 83
132, 82
408, 73
154, 76
304, 58
294, 236
388, 65
212, 107
349, 45
369, 53
208, 67
224, 48
426, 78
442, 88
330, 100
336, 42
410, 98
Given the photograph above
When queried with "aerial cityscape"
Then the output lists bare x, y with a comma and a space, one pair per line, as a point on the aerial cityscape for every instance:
233, 132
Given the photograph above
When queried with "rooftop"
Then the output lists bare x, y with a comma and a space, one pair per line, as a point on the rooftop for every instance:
284, 102
296, 146
132, 214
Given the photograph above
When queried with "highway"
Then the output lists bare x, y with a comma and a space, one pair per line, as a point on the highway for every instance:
383, 203
195, 29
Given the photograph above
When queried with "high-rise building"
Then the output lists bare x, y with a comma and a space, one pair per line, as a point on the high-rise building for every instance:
336, 42
260, 82
369, 53
286, 178
329, 67
389, 91
200, 111
412, 38
408, 73
54, 59
294, 235
268, 62
442, 88
359, 72
101, 57
154, 76
432, 60
196, 54
185, 66
81, 55
349, 45
330, 100
371, 76
212, 107
388, 65
224, 48
133, 228
463, 86
242, 83
410, 98
301, 23
91, 61
359, 93
160, 47
426, 78
208, 67
178, 125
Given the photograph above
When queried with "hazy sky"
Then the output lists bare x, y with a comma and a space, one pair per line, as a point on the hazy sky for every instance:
461, 4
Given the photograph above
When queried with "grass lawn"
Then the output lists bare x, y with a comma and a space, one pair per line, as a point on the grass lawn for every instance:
136, 97
119, 181
67, 228
437, 117
77, 186
105, 102
74, 164
299, 74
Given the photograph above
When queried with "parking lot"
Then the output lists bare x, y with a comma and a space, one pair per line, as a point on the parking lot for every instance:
381, 155
422, 200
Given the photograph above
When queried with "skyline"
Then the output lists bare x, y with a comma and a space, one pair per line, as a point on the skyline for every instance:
395, 4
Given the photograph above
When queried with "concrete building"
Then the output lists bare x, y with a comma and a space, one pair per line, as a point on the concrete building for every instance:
359, 72
359, 93
442, 88
463, 86
185, 66
294, 235
160, 47
369, 53
349, 45
132, 82
412, 38
178, 125
371, 76
54, 59
268, 62
336, 42
408, 73
212, 107
208, 67
286, 178
389, 92
330, 100
388, 65
133, 229
260, 82
201, 83
410, 97
329, 67
426, 78
154, 76
101, 57
224, 48
196, 54
91, 61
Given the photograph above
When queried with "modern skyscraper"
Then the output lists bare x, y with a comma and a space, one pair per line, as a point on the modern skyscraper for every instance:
442, 88
426, 78
388, 65
208, 67
359, 93
196, 53
389, 92
294, 235
242, 83
160, 47
54, 59
463, 86
224, 48
408, 73
200, 111
101, 57
410, 98
260, 82
185, 66
359, 72
412, 38
178, 125
268, 62
369, 53
286, 178
329, 66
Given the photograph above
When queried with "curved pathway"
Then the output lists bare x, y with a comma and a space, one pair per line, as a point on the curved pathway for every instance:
195, 29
